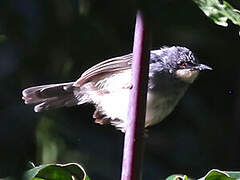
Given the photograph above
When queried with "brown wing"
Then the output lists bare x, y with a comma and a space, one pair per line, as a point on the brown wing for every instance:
105, 67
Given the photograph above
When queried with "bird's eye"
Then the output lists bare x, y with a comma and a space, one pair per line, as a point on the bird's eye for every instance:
182, 64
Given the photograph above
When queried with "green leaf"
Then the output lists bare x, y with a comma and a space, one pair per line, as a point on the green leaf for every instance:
30, 174
214, 174
217, 175
177, 177
218, 12
234, 174
69, 171
55, 173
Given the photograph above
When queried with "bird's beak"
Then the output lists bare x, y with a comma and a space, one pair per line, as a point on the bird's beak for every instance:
201, 67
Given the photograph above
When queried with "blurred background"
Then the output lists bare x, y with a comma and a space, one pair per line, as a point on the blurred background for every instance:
54, 41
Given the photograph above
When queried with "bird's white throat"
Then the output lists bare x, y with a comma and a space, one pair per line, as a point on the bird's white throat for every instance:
187, 75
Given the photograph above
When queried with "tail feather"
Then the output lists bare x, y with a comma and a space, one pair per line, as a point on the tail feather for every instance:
50, 96
57, 102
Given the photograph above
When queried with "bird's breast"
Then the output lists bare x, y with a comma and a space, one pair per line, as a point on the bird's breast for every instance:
159, 106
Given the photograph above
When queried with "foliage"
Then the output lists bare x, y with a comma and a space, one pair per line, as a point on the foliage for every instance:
218, 12
69, 171
211, 175
57, 172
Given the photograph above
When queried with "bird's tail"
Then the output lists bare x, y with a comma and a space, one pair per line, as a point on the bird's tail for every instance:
50, 96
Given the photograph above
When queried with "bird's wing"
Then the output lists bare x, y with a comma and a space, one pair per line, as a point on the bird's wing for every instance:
104, 68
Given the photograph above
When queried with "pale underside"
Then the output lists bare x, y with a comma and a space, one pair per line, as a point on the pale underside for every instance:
112, 99
107, 85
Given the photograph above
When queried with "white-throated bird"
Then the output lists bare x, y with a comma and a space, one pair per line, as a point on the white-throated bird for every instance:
107, 86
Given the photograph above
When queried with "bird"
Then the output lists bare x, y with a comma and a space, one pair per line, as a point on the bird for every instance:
107, 86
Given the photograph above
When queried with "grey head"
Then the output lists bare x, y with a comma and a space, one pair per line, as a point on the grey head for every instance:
171, 71
172, 67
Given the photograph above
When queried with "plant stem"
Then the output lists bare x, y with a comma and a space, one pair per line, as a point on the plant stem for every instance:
134, 137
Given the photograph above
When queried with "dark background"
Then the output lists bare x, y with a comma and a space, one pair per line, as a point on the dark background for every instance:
55, 41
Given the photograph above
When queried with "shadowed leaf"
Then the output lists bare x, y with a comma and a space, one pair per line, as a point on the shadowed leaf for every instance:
69, 171
214, 174
218, 12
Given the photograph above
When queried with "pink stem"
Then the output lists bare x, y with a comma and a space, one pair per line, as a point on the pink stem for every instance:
134, 137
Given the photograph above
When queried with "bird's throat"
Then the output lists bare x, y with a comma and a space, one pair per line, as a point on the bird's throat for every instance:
187, 75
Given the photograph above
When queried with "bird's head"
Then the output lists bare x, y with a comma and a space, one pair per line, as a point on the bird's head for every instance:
180, 62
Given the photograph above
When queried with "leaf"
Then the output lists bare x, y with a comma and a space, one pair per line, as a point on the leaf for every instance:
215, 174
33, 172
69, 171
234, 174
218, 12
177, 177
